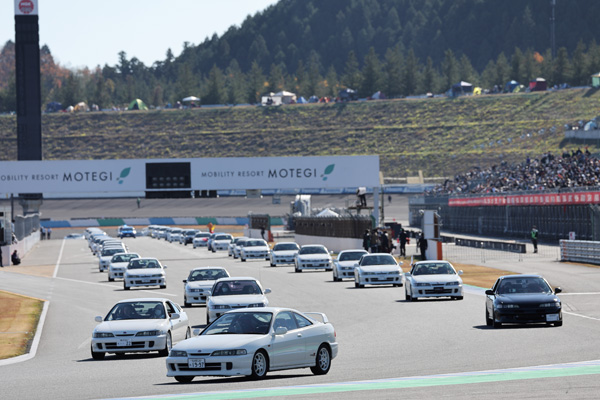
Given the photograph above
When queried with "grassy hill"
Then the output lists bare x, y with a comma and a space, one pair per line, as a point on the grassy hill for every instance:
439, 136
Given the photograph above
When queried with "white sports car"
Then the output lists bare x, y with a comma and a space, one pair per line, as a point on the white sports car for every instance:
235, 292
255, 248
433, 279
144, 271
378, 269
199, 284
140, 325
284, 253
313, 256
200, 240
118, 265
343, 265
230, 249
221, 242
255, 341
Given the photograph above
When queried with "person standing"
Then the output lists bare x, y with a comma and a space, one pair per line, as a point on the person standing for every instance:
366, 240
139, 201
1, 264
402, 238
49, 232
534, 238
422, 243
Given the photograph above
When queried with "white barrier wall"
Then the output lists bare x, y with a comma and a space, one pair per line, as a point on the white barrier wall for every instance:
580, 251
333, 244
22, 247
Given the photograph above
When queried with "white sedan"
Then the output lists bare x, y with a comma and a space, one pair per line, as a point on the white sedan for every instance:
221, 242
236, 292
140, 325
345, 262
118, 265
255, 248
199, 284
253, 342
231, 247
284, 253
433, 279
200, 240
144, 271
313, 256
378, 269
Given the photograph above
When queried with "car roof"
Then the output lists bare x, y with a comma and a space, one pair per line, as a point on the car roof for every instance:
353, 250
531, 275
143, 299
203, 268
238, 278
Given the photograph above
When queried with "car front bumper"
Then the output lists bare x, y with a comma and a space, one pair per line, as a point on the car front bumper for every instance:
136, 282
317, 264
129, 344
213, 366
379, 280
437, 291
527, 316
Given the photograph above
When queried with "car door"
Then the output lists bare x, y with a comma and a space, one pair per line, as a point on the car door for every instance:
289, 349
178, 325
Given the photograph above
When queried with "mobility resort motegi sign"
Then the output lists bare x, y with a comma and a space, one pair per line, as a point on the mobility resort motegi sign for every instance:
136, 175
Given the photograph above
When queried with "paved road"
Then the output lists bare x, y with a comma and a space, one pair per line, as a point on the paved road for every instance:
389, 348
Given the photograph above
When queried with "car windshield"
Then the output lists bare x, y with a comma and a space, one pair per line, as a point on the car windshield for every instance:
285, 246
238, 287
143, 263
110, 252
433, 269
123, 257
223, 237
523, 285
312, 250
207, 275
378, 260
241, 323
254, 243
137, 310
202, 235
190, 233
352, 255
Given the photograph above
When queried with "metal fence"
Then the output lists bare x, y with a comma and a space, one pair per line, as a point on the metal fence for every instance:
344, 227
26, 225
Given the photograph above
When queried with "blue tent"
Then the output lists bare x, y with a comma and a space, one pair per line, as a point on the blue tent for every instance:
313, 99
301, 100
510, 86
462, 88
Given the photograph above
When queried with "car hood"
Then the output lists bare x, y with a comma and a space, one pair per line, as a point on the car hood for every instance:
351, 263
209, 343
313, 256
285, 252
379, 268
239, 300
119, 264
436, 278
131, 325
145, 271
256, 248
527, 298
200, 284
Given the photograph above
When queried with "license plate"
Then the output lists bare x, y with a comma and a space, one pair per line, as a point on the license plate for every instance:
196, 362
124, 342
551, 317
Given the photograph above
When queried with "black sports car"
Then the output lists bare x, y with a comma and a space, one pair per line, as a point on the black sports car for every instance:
522, 299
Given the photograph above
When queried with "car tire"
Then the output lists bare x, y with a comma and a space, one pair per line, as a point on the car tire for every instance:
97, 355
458, 298
125, 287
298, 270
188, 333
496, 324
111, 279
185, 303
207, 319
242, 259
323, 361
558, 323
488, 320
163, 286
336, 279
168, 345
184, 378
260, 365
407, 296
273, 265
194, 246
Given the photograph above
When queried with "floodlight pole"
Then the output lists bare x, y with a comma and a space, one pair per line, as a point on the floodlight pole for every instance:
552, 30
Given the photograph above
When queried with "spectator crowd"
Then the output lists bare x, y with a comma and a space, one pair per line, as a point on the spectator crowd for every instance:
576, 169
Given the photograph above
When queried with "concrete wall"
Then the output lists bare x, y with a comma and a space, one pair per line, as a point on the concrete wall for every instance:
22, 247
333, 244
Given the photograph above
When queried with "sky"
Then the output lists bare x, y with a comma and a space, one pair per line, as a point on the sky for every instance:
84, 33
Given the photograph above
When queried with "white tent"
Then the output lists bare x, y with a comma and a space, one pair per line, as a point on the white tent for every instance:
328, 213
286, 97
191, 98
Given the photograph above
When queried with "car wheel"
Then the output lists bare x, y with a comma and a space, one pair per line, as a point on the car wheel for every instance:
188, 333
111, 279
185, 303
168, 345
494, 323
406, 295
125, 287
163, 286
242, 259
335, 278
323, 361
488, 320
273, 265
558, 323
97, 355
184, 378
458, 298
260, 365
194, 247
207, 318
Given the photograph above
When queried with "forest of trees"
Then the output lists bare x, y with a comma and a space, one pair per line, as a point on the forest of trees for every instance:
310, 47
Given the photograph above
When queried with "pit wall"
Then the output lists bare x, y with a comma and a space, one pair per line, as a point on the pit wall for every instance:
333, 244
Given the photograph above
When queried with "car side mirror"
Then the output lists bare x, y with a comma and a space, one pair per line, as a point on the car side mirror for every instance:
489, 292
174, 316
98, 318
196, 332
281, 330
267, 291
557, 290
460, 271
407, 274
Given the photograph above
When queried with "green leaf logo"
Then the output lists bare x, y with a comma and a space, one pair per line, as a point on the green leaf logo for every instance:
124, 174
327, 171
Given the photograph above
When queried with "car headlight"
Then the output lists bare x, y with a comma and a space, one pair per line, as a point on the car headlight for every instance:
154, 332
103, 334
422, 284
236, 352
550, 305
256, 305
455, 283
157, 276
178, 353
501, 305
221, 306
394, 273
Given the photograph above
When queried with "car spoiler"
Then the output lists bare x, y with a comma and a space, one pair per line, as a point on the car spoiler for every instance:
321, 316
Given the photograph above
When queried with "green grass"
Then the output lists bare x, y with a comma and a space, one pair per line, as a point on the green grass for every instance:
438, 136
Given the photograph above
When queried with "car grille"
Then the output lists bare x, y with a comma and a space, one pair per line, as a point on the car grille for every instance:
437, 290
134, 345
208, 367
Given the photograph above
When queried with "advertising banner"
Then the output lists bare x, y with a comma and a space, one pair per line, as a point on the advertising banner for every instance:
88, 176
26, 7
551, 199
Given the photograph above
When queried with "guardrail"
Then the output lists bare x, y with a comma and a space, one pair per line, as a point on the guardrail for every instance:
580, 251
